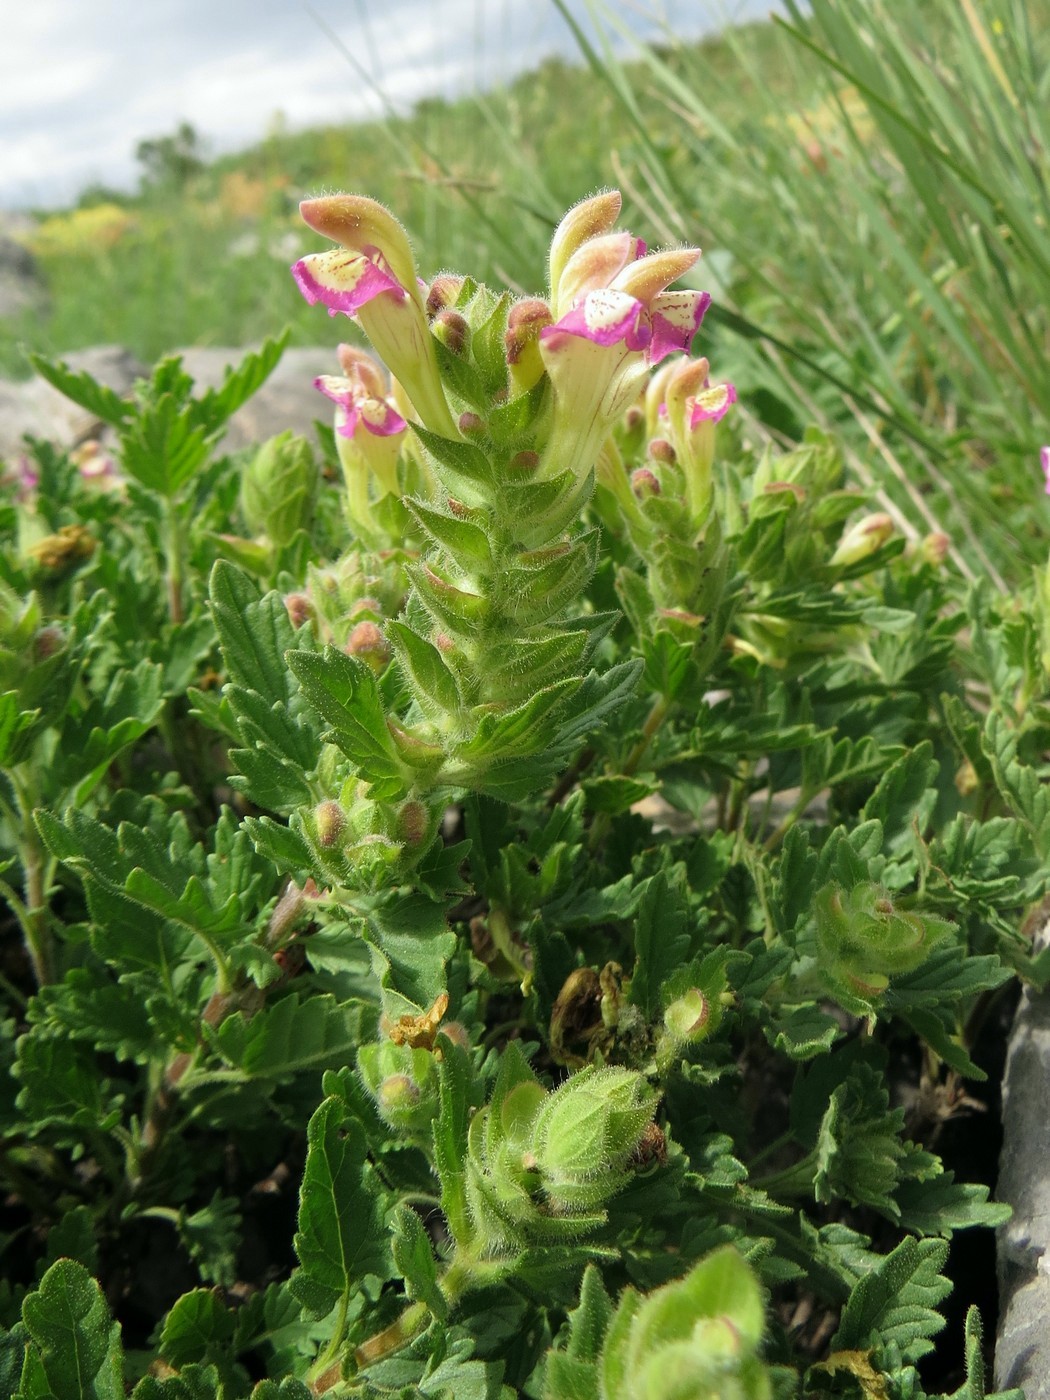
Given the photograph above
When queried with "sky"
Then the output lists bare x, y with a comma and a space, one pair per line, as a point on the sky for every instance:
83, 81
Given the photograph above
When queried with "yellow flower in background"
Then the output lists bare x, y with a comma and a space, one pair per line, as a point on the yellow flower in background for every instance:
96, 229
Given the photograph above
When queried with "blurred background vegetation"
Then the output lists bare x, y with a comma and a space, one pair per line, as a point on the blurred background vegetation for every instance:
868, 179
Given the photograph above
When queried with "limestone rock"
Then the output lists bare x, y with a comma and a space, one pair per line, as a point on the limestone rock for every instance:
21, 285
287, 400
1022, 1353
34, 407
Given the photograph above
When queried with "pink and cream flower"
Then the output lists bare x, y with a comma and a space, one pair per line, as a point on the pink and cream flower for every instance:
372, 277
369, 431
691, 407
615, 320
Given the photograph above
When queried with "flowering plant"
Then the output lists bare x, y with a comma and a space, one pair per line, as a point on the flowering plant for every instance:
585, 801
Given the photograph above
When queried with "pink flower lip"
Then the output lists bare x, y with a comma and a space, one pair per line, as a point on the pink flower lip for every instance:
354, 405
605, 317
1044, 462
343, 281
676, 318
711, 405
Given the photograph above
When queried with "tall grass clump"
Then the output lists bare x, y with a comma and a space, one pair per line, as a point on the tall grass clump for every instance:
889, 237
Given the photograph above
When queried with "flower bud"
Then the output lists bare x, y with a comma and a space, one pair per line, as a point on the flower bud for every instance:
300, 609
689, 1017
525, 462
862, 540
660, 450
644, 484
279, 488
697, 1338
453, 331
329, 822
471, 424
934, 548
403, 1081
59, 552
368, 644
524, 322
413, 823
585, 1133
444, 292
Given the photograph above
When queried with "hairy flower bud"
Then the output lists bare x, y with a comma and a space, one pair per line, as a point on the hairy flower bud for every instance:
644, 483
403, 1081
279, 488
588, 219
329, 822
368, 644
585, 1132
862, 540
453, 331
694, 1339
444, 292
524, 362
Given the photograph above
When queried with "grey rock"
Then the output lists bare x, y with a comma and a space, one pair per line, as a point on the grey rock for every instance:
21, 285
288, 399
34, 407
1022, 1353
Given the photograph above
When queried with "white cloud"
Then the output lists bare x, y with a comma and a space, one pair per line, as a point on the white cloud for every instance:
82, 81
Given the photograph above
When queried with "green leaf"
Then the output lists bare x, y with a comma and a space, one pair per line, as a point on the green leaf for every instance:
14, 722
344, 693
289, 1037
198, 1328
433, 684
410, 943
415, 1261
973, 1386
944, 1205
904, 797
661, 938
98, 399
194, 1382
61, 1085
896, 1302
162, 448
216, 406
341, 1240
465, 543
254, 631
212, 1236
77, 1346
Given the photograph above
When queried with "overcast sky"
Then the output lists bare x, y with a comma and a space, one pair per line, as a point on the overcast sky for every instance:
82, 81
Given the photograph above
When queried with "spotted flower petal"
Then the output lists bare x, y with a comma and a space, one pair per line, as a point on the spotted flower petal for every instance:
605, 318
355, 406
344, 281
676, 318
711, 404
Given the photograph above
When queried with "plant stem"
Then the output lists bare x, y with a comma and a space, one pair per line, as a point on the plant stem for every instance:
174, 561
398, 1334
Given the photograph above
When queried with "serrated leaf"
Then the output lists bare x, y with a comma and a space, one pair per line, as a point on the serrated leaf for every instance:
896, 1302
414, 1259
198, 1328
425, 669
662, 940
254, 632
216, 406
410, 944
341, 1239
79, 386
77, 1345
289, 1037
161, 447
465, 543
344, 693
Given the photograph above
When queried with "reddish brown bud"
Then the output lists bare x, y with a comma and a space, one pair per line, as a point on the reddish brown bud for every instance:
471, 424
452, 330
329, 821
368, 644
444, 292
524, 462
644, 484
413, 823
660, 450
300, 608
